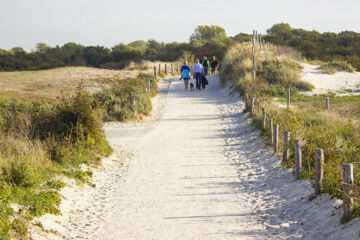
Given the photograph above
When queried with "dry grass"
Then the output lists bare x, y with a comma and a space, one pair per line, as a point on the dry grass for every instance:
49, 84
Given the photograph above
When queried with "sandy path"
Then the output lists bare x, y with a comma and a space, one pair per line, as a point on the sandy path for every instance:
199, 172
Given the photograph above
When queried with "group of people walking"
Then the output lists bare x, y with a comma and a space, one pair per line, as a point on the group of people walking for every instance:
199, 72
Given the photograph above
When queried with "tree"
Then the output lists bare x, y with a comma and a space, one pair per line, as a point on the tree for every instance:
207, 33
139, 45
42, 47
280, 29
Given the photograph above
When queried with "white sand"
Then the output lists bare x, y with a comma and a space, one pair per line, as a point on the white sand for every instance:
342, 83
199, 172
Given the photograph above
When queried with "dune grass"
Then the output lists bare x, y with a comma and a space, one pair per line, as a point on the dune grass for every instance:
336, 131
335, 66
51, 125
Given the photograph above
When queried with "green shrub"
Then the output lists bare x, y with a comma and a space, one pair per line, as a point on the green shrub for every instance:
117, 102
19, 225
20, 174
337, 65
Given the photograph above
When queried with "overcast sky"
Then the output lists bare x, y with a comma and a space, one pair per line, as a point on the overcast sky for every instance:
108, 22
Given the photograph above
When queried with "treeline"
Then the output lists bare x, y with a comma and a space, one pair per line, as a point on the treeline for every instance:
318, 46
206, 40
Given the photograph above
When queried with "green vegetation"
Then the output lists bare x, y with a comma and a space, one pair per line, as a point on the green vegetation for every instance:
40, 141
318, 46
273, 75
336, 65
206, 40
336, 131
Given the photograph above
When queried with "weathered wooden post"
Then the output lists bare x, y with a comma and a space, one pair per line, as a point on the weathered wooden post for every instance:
288, 98
260, 41
133, 101
172, 69
276, 138
327, 101
252, 106
263, 123
298, 158
319, 170
348, 181
253, 54
246, 100
155, 72
159, 68
258, 107
286, 146
165, 68
271, 131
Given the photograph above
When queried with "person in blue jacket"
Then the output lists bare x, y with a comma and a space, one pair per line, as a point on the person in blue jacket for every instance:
185, 74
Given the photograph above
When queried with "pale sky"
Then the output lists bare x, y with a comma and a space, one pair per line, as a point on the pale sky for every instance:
108, 22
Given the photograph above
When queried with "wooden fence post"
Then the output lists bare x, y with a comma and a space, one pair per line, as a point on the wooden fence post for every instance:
246, 99
298, 158
288, 98
327, 102
319, 170
253, 54
276, 138
271, 131
348, 181
165, 68
155, 72
286, 146
133, 101
260, 41
159, 68
172, 69
263, 118
252, 106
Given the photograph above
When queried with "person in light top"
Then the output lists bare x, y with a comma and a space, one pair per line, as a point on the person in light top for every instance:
198, 72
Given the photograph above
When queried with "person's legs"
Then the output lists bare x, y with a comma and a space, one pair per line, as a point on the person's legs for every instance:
200, 81
186, 84
205, 71
197, 77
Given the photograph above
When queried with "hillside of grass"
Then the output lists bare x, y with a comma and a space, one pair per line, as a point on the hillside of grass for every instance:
48, 133
336, 131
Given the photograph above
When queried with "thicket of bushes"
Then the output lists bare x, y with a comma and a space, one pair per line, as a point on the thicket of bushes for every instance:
318, 46
337, 135
40, 141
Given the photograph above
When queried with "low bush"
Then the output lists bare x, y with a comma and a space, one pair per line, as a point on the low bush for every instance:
336, 65
117, 102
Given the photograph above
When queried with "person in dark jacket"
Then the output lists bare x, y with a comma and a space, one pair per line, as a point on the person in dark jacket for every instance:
214, 65
206, 64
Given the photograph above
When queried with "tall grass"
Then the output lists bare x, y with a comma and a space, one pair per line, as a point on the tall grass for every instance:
40, 141
338, 135
337, 65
